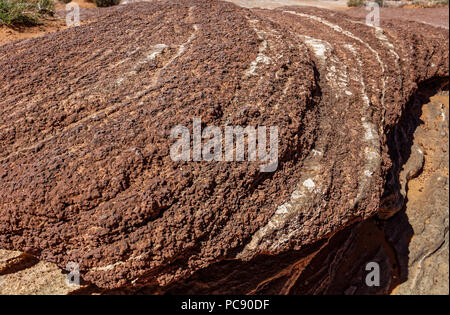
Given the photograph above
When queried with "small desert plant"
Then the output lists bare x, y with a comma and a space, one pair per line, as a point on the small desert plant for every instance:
356, 3
361, 3
45, 6
106, 3
16, 12
24, 12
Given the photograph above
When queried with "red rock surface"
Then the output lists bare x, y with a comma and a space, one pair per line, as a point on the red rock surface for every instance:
86, 114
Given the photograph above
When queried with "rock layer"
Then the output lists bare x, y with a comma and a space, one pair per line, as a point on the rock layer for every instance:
86, 114
427, 209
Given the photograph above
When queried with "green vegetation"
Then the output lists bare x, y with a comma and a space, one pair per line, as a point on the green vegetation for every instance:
24, 12
356, 3
361, 3
427, 4
106, 3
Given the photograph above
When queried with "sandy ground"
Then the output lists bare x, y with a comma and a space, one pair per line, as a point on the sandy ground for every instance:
433, 16
81, 3
268, 4
8, 34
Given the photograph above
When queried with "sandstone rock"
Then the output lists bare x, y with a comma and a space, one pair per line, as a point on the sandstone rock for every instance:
40, 278
6, 256
427, 209
428, 249
85, 170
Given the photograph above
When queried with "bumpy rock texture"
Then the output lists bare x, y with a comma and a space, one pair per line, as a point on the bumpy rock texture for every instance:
86, 115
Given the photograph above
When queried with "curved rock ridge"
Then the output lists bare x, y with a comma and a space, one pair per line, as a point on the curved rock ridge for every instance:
86, 117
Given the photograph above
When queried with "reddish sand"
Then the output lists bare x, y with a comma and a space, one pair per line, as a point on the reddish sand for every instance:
8, 34
433, 16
